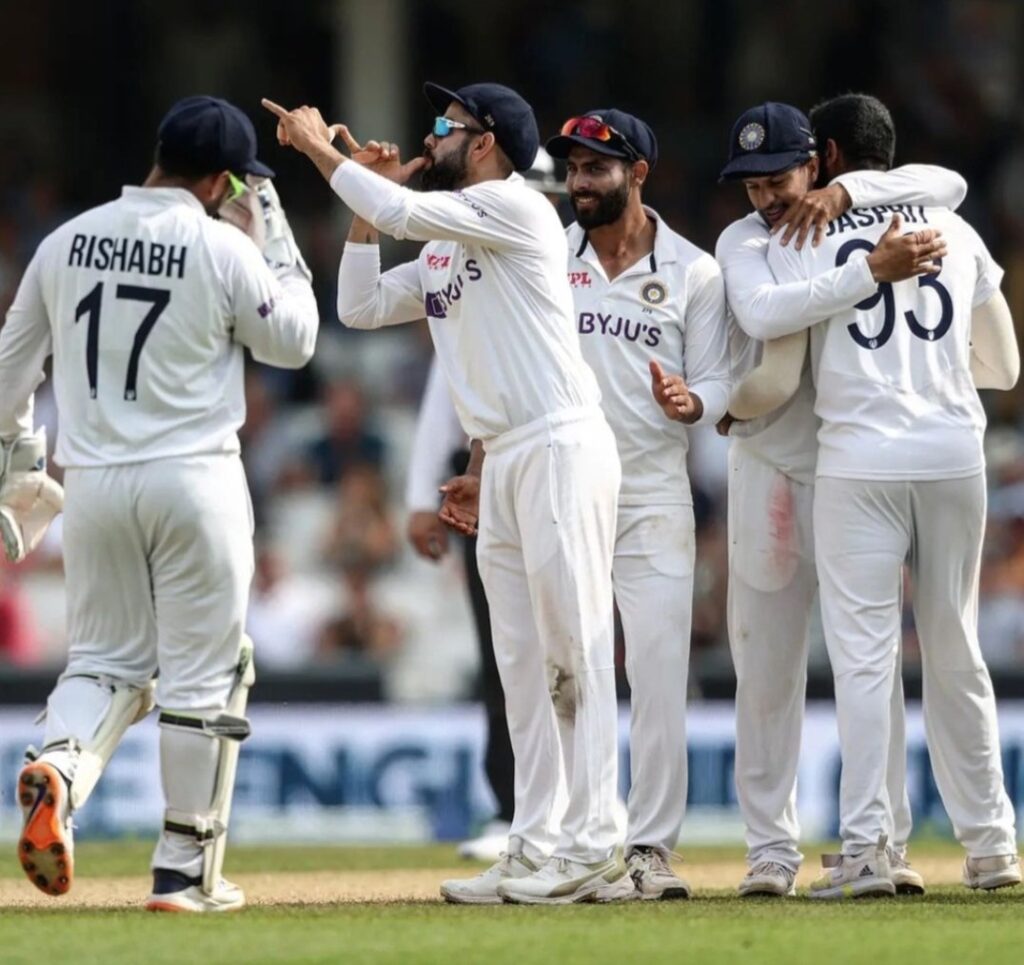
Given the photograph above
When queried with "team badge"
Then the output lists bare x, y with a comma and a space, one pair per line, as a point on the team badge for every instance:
752, 137
654, 293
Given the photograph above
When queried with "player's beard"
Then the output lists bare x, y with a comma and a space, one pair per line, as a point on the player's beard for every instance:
449, 172
608, 210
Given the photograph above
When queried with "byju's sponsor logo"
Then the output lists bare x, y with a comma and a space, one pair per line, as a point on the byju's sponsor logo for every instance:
438, 303
597, 323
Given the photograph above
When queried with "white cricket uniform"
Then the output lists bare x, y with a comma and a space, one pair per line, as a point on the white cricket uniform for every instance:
670, 307
900, 477
492, 284
146, 304
772, 577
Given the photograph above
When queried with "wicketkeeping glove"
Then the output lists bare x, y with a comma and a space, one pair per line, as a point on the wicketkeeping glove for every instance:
29, 498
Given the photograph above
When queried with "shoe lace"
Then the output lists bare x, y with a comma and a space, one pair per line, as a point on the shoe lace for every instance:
770, 868
897, 860
652, 859
561, 865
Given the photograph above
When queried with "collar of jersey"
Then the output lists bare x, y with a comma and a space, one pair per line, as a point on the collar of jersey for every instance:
664, 247
166, 196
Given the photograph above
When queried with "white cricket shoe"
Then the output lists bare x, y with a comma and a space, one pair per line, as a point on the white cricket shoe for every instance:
768, 878
999, 871
855, 875
46, 845
174, 891
653, 876
482, 889
561, 881
489, 846
906, 880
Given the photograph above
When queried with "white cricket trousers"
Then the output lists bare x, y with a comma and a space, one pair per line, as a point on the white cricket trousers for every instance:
547, 528
864, 532
158, 559
772, 586
652, 575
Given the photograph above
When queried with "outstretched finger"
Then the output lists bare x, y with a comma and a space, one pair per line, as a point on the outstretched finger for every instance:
340, 130
274, 108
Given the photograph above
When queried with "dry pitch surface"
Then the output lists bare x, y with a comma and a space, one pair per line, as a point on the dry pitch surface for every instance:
370, 886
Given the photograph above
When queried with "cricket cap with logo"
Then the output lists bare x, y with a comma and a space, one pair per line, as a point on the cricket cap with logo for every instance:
210, 135
497, 109
768, 139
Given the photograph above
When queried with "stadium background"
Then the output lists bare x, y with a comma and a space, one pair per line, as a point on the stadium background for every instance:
366, 653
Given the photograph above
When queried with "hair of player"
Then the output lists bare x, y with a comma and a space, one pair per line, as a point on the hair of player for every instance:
178, 167
862, 128
505, 165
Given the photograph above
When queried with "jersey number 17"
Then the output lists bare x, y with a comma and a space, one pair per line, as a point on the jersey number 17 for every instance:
157, 298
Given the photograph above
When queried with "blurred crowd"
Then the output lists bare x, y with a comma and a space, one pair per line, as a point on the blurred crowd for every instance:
336, 586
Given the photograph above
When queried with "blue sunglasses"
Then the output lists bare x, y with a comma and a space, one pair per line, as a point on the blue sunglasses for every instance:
443, 126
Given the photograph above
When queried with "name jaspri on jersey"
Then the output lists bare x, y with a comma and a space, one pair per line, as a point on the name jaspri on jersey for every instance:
127, 255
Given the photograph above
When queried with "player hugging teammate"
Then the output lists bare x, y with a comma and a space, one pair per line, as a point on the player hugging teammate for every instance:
842, 356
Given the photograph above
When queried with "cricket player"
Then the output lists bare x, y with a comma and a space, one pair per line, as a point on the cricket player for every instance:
900, 478
493, 282
146, 304
439, 447
646, 301
772, 577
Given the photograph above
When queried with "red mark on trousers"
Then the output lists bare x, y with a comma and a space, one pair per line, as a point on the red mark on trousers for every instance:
782, 519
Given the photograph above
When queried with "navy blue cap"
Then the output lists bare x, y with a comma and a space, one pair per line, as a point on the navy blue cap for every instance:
768, 139
209, 134
498, 109
636, 132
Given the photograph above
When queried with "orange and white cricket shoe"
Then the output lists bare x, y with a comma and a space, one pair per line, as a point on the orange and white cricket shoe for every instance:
46, 845
175, 891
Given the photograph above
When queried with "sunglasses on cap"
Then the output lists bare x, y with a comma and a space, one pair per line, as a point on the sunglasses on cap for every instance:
237, 185
594, 129
443, 126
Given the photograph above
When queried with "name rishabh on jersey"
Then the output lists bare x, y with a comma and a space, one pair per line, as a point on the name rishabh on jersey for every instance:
146, 303
892, 374
669, 307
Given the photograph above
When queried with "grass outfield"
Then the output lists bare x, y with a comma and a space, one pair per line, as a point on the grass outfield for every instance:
949, 924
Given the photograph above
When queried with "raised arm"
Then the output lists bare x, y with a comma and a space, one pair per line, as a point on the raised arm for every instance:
25, 342
483, 213
926, 184
276, 318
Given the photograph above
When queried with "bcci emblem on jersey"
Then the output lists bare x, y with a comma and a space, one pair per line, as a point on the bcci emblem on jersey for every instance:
752, 136
654, 293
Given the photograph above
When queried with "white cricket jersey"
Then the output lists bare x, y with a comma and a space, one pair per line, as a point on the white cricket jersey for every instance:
669, 307
894, 389
146, 303
762, 307
492, 285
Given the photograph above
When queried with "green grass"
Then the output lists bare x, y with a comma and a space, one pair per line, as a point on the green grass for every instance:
106, 859
948, 925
